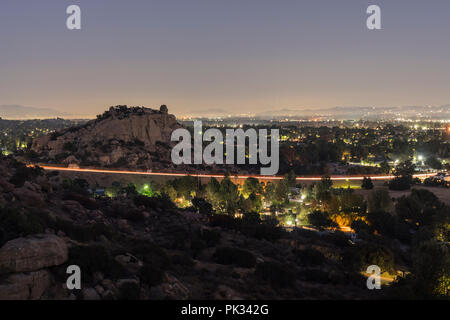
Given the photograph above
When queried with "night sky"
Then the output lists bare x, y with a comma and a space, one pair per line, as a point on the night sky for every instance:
235, 55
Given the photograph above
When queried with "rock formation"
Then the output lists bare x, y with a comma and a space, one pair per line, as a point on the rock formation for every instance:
135, 137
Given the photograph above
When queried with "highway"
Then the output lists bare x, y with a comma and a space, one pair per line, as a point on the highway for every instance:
203, 175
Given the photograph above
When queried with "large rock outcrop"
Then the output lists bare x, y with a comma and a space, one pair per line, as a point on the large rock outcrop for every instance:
32, 253
121, 137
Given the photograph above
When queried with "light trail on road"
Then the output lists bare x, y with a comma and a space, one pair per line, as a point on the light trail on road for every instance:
203, 175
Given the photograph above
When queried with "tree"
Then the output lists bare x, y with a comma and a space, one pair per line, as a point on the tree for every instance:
186, 187
379, 200
320, 219
282, 192
269, 192
291, 179
224, 196
130, 190
384, 167
367, 183
251, 185
229, 195
405, 170
431, 269
202, 206
434, 163
170, 191
322, 189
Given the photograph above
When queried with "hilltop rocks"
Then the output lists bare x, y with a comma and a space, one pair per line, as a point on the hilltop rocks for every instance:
122, 136
32, 253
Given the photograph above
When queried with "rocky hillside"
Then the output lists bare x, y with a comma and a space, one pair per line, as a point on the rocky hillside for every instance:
137, 247
122, 137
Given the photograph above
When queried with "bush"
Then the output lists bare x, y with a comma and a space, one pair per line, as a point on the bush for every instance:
367, 183
15, 223
210, 237
24, 173
375, 254
224, 221
360, 226
239, 257
151, 275
130, 291
309, 256
160, 201
320, 220
277, 274
86, 202
93, 259
315, 275
399, 184
263, 231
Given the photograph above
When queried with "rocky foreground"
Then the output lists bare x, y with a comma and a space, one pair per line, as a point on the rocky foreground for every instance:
145, 248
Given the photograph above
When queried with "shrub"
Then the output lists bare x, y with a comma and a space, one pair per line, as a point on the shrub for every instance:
320, 219
86, 202
15, 223
182, 260
277, 274
360, 226
367, 183
24, 173
202, 206
263, 231
315, 275
130, 291
399, 184
239, 257
309, 256
210, 237
151, 275
93, 259
224, 221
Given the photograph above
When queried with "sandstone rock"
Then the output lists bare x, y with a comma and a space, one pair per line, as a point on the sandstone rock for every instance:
171, 289
29, 198
99, 289
130, 262
24, 286
90, 294
108, 284
122, 282
121, 132
32, 186
32, 253
5, 186
224, 292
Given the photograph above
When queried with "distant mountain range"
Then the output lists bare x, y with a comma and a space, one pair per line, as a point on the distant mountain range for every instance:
22, 112
371, 113
338, 113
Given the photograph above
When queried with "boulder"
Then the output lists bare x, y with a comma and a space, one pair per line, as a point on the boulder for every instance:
32, 253
29, 198
24, 286
5, 186
90, 294
171, 289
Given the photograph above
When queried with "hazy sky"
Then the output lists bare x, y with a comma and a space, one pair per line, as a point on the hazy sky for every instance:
237, 55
